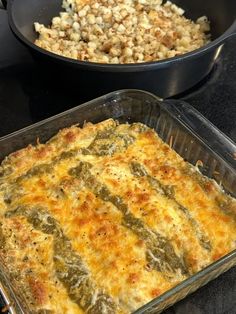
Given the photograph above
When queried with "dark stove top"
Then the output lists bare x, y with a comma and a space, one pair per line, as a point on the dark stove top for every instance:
26, 97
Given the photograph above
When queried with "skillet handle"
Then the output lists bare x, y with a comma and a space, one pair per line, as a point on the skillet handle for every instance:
3, 4
233, 31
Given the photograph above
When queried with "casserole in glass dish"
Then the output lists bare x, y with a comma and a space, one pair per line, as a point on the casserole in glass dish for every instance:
178, 124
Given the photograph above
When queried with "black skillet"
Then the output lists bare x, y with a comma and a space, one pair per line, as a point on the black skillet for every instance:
165, 78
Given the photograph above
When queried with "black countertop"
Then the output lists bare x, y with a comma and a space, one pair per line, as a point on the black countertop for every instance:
25, 97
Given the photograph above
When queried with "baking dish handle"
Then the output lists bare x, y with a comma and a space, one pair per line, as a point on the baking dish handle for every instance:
204, 130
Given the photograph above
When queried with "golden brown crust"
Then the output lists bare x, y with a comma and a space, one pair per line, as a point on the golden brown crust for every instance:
115, 209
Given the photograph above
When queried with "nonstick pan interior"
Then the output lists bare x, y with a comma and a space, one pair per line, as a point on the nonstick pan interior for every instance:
221, 13
24, 13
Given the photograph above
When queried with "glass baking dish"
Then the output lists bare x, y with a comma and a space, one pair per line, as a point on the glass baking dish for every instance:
176, 122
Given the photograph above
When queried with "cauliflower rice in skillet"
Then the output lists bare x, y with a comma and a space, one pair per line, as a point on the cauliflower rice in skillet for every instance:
122, 31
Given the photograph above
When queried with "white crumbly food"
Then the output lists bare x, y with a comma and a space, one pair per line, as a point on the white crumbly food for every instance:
122, 31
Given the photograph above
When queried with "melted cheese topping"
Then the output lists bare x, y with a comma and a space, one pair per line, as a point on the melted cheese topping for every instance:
104, 218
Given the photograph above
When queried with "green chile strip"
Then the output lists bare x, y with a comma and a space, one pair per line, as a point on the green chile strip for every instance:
108, 142
13, 190
39, 170
35, 171
138, 170
202, 238
69, 266
160, 253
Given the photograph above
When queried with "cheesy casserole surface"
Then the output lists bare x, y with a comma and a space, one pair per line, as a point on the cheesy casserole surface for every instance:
102, 219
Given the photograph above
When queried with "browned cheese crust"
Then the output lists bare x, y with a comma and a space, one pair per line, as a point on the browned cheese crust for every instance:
104, 218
